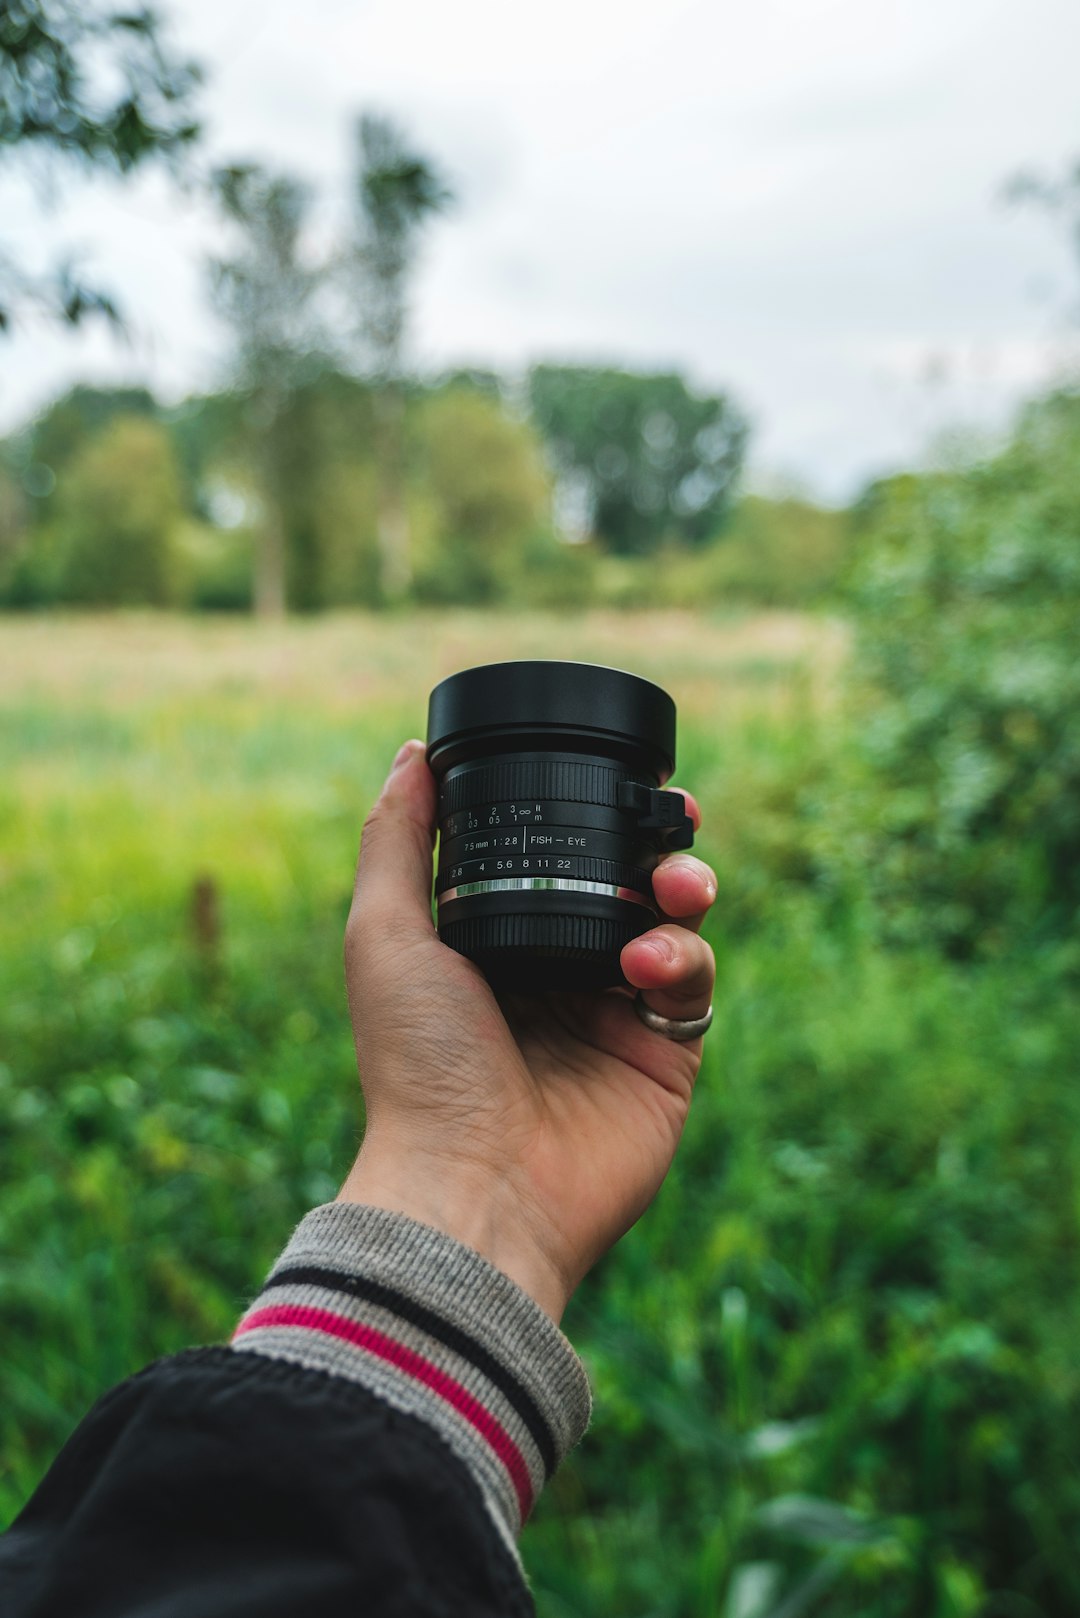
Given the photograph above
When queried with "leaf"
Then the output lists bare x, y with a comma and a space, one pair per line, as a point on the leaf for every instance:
752, 1590
778, 1437
811, 1521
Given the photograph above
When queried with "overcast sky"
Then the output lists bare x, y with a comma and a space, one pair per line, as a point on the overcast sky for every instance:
798, 200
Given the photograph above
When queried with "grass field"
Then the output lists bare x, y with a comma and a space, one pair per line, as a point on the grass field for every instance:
834, 1367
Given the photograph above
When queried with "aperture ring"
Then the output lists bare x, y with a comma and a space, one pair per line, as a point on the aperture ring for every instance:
616, 872
567, 779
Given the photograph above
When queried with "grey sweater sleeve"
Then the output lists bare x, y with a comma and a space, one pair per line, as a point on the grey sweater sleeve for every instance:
432, 1328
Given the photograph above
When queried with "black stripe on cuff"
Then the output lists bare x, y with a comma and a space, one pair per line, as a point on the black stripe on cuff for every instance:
436, 1325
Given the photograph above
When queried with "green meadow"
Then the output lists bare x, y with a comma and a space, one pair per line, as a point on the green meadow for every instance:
835, 1367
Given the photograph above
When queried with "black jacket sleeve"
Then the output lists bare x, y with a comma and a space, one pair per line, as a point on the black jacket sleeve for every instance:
370, 1443
232, 1486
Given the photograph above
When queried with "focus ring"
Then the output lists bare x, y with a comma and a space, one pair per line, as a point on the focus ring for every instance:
552, 935
540, 778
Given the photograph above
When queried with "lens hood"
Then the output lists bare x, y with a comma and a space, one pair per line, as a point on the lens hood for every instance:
536, 704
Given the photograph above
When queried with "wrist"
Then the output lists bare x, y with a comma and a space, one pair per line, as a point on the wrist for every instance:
474, 1206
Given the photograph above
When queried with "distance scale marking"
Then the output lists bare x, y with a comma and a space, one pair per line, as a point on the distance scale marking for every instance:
489, 817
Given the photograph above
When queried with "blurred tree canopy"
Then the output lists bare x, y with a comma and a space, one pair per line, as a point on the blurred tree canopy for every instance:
478, 490
485, 491
119, 513
1060, 197
34, 465
396, 191
651, 460
267, 293
92, 85
69, 424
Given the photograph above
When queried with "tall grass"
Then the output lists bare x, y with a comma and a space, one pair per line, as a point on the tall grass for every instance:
834, 1366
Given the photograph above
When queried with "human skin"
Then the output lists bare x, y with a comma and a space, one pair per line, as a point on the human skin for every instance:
534, 1129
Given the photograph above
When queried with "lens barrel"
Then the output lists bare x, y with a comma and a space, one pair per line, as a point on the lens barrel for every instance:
551, 818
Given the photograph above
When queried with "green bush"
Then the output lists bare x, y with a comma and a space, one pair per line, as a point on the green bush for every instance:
483, 495
119, 512
553, 573
29, 578
780, 553
967, 603
774, 553
216, 567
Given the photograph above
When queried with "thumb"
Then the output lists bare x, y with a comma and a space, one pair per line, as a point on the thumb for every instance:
393, 873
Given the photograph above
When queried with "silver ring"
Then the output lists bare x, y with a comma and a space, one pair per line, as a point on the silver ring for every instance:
545, 884
672, 1027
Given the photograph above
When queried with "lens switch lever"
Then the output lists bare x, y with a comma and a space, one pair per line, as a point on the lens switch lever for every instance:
657, 810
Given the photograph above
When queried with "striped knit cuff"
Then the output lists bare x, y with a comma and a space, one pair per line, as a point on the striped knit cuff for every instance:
435, 1330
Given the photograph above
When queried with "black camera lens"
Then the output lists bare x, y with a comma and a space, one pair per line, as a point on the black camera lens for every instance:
551, 818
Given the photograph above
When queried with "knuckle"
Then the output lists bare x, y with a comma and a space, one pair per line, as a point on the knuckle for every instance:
373, 845
376, 931
354, 937
372, 822
696, 959
394, 929
678, 862
366, 921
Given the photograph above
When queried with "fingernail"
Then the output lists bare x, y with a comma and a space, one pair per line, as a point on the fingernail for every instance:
663, 947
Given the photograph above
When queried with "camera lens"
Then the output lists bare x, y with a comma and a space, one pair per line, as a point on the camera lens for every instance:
551, 818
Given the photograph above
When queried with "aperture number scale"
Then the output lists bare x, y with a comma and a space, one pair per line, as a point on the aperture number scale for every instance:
521, 865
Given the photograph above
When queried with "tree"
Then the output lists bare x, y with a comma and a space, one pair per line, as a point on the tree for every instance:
650, 459
95, 86
61, 432
120, 510
1059, 197
39, 459
396, 192
487, 495
267, 293
12, 523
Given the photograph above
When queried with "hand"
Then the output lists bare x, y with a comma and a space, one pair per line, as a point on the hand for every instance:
534, 1129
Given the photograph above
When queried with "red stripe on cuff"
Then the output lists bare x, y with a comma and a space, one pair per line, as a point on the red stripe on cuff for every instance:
414, 1365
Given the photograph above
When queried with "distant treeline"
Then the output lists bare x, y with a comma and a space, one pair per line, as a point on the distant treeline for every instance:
572, 485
